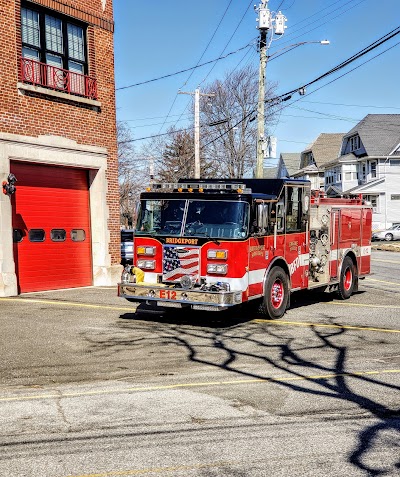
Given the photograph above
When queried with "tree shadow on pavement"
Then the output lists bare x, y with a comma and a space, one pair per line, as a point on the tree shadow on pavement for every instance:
241, 347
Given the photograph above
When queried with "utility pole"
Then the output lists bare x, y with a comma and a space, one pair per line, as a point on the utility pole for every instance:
265, 24
197, 95
151, 170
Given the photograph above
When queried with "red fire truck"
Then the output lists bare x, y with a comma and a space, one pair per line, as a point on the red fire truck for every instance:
214, 244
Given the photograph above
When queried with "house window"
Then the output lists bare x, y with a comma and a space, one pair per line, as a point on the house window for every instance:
354, 142
394, 162
395, 197
373, 199
308, 159
59, 44
347, 176
373, 169
363, 171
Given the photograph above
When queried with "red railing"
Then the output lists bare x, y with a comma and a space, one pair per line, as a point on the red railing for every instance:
41, 74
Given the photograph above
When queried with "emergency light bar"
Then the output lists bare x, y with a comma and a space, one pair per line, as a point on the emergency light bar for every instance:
199, 187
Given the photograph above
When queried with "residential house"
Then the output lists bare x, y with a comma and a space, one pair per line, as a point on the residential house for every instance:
313, 159
59, 221
369, 164
289, 164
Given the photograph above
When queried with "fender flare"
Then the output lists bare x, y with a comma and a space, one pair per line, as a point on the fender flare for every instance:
281, 262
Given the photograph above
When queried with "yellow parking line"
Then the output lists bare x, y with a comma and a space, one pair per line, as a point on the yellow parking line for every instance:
382, 281
325, 325
68, 303
384, 261
364, 305
166, 387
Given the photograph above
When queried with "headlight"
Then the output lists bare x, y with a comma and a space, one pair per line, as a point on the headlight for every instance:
217, 269
217, 254
145, 250
146, 264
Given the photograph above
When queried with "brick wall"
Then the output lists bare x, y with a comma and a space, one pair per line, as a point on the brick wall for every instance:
35, 114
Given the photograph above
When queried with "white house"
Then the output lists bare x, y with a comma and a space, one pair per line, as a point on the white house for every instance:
369, 164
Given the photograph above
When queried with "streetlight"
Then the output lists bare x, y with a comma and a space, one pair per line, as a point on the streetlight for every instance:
288, 48
276, 24
261, 97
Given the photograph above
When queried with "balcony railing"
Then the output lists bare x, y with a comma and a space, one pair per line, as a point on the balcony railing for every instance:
58, 79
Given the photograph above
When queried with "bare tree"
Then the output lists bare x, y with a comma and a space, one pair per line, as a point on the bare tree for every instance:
132, 174
174, 154
230, 119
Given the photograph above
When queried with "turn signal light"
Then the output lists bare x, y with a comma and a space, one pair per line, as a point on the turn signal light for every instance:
217, 254
144, 250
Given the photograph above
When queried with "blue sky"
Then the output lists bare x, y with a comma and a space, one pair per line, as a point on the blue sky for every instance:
158, 38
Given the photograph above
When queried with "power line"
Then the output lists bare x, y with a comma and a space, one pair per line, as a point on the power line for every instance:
352, 105
206, 48
208, 44
290, 34
356, 56
282, 97
230, 39
185, 70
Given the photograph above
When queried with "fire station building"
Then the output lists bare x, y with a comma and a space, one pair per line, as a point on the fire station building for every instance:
59, 203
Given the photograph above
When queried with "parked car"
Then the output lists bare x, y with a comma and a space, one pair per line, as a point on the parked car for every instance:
392, 233
127, 246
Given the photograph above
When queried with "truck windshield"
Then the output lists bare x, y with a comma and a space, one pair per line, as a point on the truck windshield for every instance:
188, 218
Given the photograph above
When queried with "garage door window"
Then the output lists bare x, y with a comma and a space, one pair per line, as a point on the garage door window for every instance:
78, 235
36, 235
18, 235
58, 235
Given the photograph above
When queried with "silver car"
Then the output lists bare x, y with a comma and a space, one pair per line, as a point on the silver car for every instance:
392, 233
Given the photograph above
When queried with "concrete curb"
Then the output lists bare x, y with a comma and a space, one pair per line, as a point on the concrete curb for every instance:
386, 246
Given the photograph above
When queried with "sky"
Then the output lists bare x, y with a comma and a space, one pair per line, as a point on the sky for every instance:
161, 38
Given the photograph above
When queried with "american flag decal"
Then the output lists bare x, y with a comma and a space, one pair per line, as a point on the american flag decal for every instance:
179, 261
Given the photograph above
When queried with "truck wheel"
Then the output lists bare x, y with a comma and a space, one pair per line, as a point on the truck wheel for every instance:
276, 294
347, 279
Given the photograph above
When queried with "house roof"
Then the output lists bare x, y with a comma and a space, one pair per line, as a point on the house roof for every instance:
364, 187
291, 161
325, 148
346, 158
270, 172
379, 133
310, 169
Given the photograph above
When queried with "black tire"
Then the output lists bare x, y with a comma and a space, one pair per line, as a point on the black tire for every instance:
389, 237
276, 294
348, 279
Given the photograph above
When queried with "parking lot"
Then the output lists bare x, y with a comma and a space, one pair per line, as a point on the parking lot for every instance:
90, 387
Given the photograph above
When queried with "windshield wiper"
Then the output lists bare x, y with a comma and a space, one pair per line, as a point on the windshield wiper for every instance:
215, 240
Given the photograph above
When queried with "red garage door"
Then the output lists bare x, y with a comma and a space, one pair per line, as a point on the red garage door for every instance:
51, 227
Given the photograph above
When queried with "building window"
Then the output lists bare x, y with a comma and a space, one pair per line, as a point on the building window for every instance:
53, 41
394, 162
36, 235
58, 235
308, 159
395, 197
347, 176
373, 199
373, 169
54, 52
18, 235
78, 235
354, 142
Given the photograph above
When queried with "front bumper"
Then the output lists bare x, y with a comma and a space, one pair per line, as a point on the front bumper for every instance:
179, 297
